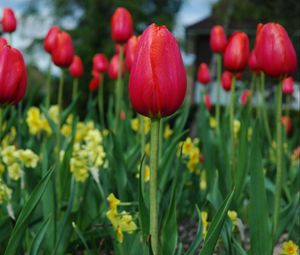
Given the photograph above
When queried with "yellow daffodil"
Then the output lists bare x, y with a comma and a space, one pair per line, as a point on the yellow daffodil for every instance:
204, 217
168, 132
135, 124
5, 192
236, 127
14, 171
28, 157
289, 248
213, 122
113, 202
147, 173
232, 216
8, 154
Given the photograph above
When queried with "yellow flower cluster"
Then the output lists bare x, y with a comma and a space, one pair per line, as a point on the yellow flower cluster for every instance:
135, 124
122, 222
289, 248
87, 155
5, 192
191, 153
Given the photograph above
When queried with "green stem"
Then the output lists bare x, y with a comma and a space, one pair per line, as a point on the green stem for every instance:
48, 85
288, 105
1, 123
253, 82
219, 71
19, 123
279, 165
154, 147
75, 89
101, 103
142, 133
264, 108
10, 39
231, 123
119, 87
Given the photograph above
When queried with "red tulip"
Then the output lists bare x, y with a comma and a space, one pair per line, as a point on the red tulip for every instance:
157, 83
131, 50
113, 67
76, 68
207, 102
237, 52
226, 80
218, 39
203, 74
287, 122
50, 38
63, 51
244, 99
3, 42
9, 22
100, 63
252, 63
275, 52
121, 25
13, 78
288, 86
95, 82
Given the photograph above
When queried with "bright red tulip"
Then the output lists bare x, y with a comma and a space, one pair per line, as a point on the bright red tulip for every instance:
157, 83
245, 96
63, 51
95, 82
113, 67
100, 63
287, 123
76, 68
226, 80
252, 63
131, 50
207, 102
203, 74
50, 39
121, 25
3, 42
218, 39
9, 21
13, 78
288, 86
237, 52
275, 52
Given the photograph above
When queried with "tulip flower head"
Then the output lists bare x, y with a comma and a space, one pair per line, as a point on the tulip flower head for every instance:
113, 67
245, 96
237, 52
121, 25
207, 102
252, 63
218, 39
130, 51
226, 80
13, 77
203, 74
63, 51
239, 76
9, 21
3, 42
76, 68
287, 123
157, 82
276, 55
50, 38
100, 63
288, 86
95, 82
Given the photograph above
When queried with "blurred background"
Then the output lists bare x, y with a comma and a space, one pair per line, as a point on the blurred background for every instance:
88, 21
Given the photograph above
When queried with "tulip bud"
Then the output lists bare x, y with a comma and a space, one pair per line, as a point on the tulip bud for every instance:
226, 80
100, 63
244, 99
275, 52
131, 50
63, 51
95, 82
252, 63
13, 78
288, 86
203, 74
157, 83
9, 22
121, 25
76, 68
237, 52
239, 76
50, 39
3, 42
113, 67
218, 39
207, 102
287, 123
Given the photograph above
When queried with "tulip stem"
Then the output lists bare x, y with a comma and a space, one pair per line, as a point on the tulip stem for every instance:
1, 120
101, 103
219, 70
119, 87
75, 89
279, 165
48, 84
231, 123
253, 82
154, 148
142, 132
288, 105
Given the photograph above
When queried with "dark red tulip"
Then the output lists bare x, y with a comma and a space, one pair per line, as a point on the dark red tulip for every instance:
237, 52
226, 80
287, 123
9, 21
100, 63
218, 39
252, 63
207, 102
157, 83
121, 25
95, 82
76, 68
63, 51
13, 78
203, 74
275, 52
113, 67
130, 51
288, 86
239, 76
245, 96
50, 39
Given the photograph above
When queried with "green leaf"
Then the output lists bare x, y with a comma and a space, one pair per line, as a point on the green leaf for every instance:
216, 226
21, 224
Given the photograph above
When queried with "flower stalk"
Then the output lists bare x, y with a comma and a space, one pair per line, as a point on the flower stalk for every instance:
231, 123
101, 103
119, 90
219, 72
75, 89
48, 84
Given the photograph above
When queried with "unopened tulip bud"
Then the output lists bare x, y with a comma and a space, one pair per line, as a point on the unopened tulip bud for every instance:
130, 51
245, 96
218, 39
226, 80
288, 86
207, 102
287, 123
203, 74
100, 63
121, 25
50, 39
9, 21
113, 67
95, 82
76, 68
